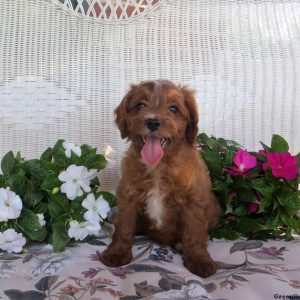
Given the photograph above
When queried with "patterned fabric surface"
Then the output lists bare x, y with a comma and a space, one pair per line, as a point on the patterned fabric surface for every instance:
247, 270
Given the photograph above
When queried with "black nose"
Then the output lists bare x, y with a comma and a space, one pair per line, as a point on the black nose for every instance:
152, 124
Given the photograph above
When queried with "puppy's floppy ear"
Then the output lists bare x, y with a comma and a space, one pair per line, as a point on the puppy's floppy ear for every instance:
193, 118
121, 113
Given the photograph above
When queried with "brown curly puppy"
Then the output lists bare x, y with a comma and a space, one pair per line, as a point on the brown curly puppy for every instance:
164, 190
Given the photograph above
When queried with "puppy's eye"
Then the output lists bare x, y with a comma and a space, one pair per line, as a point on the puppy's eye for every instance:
173, 109
139, 106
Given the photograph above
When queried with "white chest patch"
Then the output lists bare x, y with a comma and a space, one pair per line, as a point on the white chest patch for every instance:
154, 208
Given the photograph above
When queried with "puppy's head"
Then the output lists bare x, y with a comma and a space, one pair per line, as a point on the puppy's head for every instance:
157, 116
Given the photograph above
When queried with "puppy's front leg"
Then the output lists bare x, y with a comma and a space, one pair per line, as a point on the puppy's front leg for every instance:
119, 251
194, 241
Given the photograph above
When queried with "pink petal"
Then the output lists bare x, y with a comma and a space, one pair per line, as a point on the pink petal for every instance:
250, 162
265, 166
274, 158
237, 159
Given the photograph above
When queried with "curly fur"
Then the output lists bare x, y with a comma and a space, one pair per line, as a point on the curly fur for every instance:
170, 201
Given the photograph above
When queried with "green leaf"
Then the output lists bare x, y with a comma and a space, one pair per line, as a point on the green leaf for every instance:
265, 202
95, 182
36, 170
247, 225
273, 220
50, 182
279, 144
226, 233
31, 226
58, 205
290, 200
246, 195
41, 208
32, 198
265, 147
211, 143
18, 184
2, 180
47, 154
50, 168
100, 162
110, 198
8, 162
229, 156
213, 161
241, 211
76, 210
60, 237
265, 189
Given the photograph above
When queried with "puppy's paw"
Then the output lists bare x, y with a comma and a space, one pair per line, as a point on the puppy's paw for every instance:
203, 267
115, 258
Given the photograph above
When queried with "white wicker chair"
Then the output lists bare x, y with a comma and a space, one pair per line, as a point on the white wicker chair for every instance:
64, 66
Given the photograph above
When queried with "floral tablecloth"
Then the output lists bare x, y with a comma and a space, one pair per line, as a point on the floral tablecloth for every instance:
247, 270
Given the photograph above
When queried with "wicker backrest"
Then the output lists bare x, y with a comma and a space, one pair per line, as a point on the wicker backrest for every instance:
65, 64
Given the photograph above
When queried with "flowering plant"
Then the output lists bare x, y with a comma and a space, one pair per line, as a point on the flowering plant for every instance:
55, 198
258, 191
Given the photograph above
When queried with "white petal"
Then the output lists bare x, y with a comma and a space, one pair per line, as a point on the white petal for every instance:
85, 185
68, 153
89, 201
77, 150
64, 176
108, 151
91, 174
3, 194
92, 227
75, 171
67, 145
69, 188
91, 216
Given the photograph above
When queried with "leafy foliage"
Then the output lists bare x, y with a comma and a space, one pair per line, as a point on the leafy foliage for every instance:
36, 182
256, 203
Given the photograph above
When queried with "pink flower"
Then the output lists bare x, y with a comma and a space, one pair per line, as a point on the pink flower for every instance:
243, 162
283, 165
253, 207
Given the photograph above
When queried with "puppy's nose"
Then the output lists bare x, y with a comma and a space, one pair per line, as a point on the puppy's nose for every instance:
152, 124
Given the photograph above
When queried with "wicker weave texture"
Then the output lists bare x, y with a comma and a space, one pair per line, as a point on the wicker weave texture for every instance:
63, 72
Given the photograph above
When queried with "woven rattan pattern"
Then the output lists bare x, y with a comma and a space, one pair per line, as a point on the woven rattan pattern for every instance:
63, 72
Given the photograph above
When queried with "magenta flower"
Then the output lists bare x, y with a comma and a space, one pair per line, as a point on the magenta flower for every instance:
283, 165
243, 163
253, 207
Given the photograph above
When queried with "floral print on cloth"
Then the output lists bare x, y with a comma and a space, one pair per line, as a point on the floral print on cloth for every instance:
247, 270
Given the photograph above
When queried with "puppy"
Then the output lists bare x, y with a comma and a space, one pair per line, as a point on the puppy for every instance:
164, 190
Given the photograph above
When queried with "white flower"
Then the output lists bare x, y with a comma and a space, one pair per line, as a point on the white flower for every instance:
11, 241
71, 147
108, 153
80, 230
92, 227
41, 219
77, 179
97, 209
10, 205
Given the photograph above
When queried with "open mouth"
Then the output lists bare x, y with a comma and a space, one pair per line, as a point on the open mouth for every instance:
163, 141
153, 148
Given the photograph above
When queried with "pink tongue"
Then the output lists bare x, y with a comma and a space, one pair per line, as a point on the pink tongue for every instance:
152, 151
